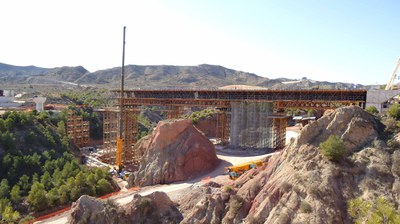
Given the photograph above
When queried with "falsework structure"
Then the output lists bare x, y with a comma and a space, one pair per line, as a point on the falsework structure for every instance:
77, 129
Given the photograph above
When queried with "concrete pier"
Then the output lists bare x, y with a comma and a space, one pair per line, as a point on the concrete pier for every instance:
250, 124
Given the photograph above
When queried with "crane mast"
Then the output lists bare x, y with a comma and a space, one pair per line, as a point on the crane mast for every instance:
120, 142
389, 86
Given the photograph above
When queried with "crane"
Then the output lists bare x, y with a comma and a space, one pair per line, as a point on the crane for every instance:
120, 142
389, 86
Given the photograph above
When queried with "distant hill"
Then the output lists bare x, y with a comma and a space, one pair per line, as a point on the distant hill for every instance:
154, 76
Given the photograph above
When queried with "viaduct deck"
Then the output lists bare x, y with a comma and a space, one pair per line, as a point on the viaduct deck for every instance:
319, 99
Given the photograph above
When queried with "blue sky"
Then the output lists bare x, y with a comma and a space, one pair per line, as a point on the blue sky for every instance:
347, 41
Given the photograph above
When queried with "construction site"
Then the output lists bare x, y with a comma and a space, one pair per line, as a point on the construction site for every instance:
245, 119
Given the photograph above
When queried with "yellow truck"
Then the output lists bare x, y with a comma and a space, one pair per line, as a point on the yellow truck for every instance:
235, 171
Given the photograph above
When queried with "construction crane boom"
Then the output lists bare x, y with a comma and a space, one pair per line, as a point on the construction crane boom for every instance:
389, 86
120, 142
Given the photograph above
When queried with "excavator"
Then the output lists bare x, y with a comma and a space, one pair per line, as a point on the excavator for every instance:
235, 171
390, 84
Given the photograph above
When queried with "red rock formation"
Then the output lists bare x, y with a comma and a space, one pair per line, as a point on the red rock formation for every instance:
175, 151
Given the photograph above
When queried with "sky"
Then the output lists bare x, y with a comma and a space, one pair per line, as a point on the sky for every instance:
355, 41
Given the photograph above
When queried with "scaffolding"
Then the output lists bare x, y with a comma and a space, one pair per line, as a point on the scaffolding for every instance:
244, 117
77, 129
110, 133
279, 131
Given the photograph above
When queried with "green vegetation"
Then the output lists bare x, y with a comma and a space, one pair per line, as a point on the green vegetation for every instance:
37, 169
394, 111
372, 110
305, 207
311, 112
379, 211
333, 148
198, 115
91, 98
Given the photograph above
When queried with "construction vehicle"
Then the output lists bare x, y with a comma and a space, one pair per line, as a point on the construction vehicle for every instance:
390, 84
234, 172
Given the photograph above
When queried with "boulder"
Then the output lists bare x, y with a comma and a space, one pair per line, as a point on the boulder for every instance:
91, 210
154, 208
175, 151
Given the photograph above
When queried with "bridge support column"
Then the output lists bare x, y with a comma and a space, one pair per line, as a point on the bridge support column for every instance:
222, 129
251, 126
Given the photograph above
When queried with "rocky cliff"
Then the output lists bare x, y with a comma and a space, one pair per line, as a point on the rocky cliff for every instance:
175, 151
300, 185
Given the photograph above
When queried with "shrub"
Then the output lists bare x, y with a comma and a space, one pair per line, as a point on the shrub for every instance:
379, 211
228, 188
286, 186
333, 148
394, 111
236, 203
391, 125
372, 110
305, 207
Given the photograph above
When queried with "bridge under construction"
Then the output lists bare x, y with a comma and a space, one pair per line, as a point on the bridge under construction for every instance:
245, 118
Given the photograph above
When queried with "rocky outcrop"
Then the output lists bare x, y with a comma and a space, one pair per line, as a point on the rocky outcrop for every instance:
91, 210
207, 126
175, 151
301, 186
154, 208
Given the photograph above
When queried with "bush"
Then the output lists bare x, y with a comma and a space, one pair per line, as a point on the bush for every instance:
305, 207
379, 211
236, 203
372, 110
228, 188
394, 111
391, 125
333, 148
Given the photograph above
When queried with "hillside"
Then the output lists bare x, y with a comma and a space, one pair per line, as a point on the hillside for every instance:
152, 76
38, 166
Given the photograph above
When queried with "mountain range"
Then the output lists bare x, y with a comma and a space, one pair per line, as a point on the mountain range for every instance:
155, 76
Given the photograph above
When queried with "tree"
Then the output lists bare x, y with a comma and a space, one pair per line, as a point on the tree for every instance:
30, 138
333, 148
7, 139
4, 189
15, 194
63, 192
10, 216
37, 197
45, 179
53, 197
24, 183
372, 110
394, 111
61, 129
103, 187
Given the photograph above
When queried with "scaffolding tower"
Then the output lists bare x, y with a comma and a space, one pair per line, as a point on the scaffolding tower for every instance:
110, 133
77, 129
